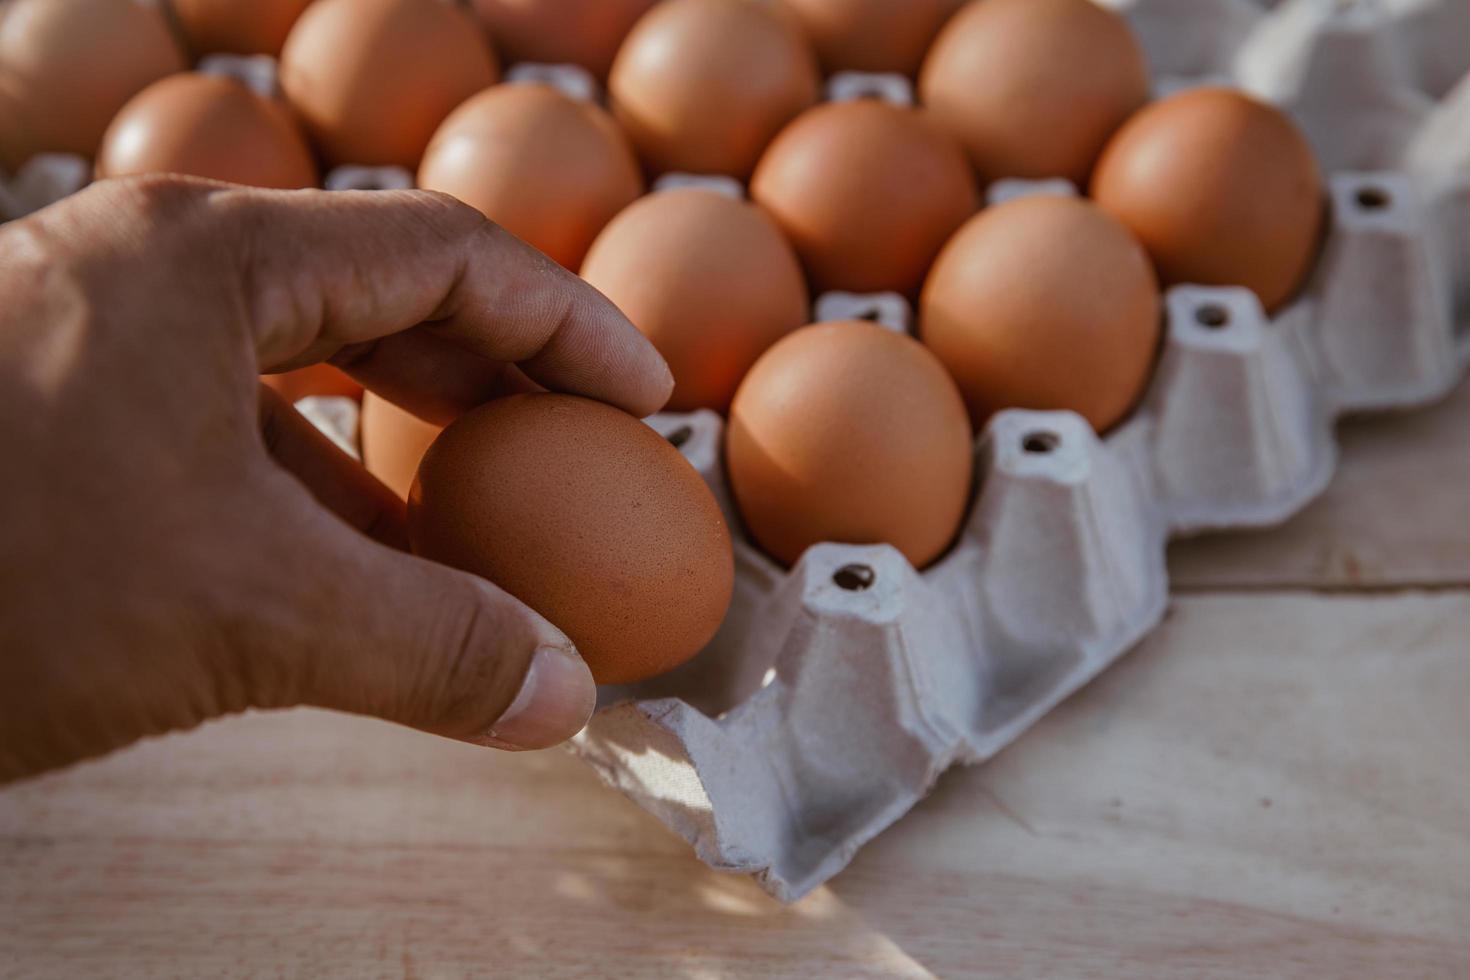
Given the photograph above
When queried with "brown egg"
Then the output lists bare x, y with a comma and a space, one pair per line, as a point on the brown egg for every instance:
577, 32
393, 442
67, 67
1034, 88
703, 85
1044, 302
850, 432
589, 517
871, 35
708, 279
237, 26
1221, 189
867, 192
550, 169
207, 126
373, 79
321, 380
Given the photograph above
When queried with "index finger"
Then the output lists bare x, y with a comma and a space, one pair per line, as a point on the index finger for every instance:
318, 271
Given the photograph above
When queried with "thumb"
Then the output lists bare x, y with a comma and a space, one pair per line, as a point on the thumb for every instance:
373, 631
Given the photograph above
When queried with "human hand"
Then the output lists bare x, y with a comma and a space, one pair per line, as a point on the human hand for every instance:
168, 545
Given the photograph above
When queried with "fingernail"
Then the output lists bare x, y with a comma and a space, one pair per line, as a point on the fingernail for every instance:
666, 384
553, 704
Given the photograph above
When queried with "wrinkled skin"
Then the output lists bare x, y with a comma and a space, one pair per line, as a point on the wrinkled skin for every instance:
176, 542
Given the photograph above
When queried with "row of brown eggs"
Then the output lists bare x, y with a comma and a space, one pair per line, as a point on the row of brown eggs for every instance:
68, 66
843, 432
866, 192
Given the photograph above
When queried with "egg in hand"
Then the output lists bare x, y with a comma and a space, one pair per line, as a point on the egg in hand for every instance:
590, 518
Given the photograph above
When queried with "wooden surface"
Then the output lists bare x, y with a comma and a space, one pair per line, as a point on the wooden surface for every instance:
1274, 785
1396, 516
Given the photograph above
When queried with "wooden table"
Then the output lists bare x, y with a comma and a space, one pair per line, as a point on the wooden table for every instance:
1276, 784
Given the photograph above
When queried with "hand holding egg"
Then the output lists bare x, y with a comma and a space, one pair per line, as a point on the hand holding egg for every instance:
217, 542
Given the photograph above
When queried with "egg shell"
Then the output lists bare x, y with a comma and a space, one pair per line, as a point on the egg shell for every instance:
1222, 190
867, 192
708, 279
1034, 88
589, 517
373, 79
1044, 302
236, 26
702, 86
550, 169
577, 32
207, 126
850, 432
871, 35
394, 441
67, 67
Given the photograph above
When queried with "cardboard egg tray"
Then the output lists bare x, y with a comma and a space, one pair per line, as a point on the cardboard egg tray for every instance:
836, 692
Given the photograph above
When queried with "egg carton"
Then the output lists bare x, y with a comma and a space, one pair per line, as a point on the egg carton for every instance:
836, 692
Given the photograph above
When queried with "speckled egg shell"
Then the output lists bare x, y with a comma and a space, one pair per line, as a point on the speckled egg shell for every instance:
589, 517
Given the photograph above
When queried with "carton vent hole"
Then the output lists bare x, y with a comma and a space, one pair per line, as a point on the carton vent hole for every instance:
1374, 198
1212, 316
1040, 443
871, 315
679, 436
854, 578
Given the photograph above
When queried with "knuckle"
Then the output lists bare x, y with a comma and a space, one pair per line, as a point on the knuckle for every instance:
30, 251
448, 219
157, 199
452, 210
